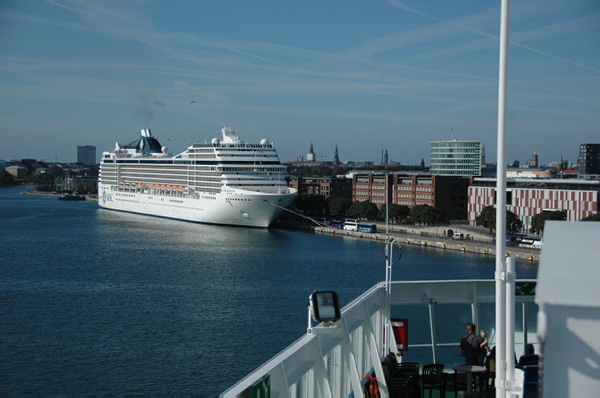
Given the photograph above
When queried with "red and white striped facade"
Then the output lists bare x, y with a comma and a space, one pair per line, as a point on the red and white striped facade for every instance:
579, 201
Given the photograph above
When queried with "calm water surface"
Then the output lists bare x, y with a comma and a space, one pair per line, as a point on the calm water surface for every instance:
101, 302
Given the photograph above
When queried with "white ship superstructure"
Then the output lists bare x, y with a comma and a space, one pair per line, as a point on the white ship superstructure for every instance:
225, 181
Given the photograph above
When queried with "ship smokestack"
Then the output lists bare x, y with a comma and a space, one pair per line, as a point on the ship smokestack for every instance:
146, 133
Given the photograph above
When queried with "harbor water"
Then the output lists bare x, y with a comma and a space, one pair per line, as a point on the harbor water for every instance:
101, 302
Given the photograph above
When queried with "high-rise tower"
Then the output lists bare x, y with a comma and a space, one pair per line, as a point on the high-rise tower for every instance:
588, 161
86, 154
460, 158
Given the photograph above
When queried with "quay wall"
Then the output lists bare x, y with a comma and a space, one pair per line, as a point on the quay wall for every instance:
88, 197
467, 246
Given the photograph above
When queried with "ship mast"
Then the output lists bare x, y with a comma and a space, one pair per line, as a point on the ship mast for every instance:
504, 276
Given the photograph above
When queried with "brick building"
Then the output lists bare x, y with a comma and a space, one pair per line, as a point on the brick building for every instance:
370, 187
528, 197
447, 193
338, 187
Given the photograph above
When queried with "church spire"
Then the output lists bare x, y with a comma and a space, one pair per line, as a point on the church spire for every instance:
561, 164
482, 155
311, 154
336, 158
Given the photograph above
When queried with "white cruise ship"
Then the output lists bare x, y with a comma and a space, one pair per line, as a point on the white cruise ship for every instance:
222, 182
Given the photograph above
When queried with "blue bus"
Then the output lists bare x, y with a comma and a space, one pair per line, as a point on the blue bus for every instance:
371, 228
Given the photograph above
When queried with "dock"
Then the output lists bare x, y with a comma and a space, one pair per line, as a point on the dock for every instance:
436, 242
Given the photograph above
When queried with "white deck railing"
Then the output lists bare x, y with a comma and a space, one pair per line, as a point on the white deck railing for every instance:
331, 361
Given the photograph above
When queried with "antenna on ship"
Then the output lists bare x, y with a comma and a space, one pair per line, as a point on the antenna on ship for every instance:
388, 266
387, 210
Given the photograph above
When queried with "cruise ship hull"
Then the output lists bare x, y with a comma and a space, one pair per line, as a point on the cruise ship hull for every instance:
225, 181
238, 208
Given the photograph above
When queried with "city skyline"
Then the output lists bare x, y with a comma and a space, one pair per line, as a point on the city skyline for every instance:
322, 159
369, 77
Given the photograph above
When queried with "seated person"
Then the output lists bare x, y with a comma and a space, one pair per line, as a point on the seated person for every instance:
530, 357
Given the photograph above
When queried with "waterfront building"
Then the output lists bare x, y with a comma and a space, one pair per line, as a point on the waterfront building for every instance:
16, 171
528, 197
371, 187
30, 165
446, 193
569, 173
530, 173
457, 158
297, 159
336, 187
86, 154
361, 163
588, 161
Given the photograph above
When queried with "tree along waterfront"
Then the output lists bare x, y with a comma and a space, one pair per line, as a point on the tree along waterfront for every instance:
56, 179
319, 206
487, 218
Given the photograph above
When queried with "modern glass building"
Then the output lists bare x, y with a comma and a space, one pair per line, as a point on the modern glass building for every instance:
455, 158
588, 161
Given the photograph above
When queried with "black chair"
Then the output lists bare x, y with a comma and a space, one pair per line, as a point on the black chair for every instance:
456, 382
403, 378
411, 368
432, 377
396, 386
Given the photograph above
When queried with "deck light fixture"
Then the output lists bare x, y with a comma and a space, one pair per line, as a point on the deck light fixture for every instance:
325, 306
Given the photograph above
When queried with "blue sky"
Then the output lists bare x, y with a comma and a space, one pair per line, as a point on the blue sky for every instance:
367, 75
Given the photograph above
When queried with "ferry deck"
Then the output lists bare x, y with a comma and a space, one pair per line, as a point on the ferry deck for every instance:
341, 359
